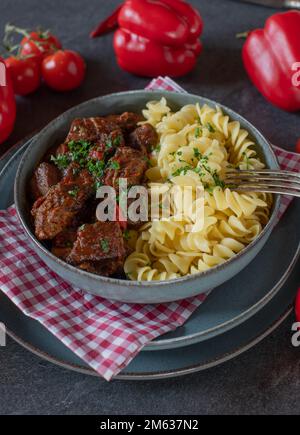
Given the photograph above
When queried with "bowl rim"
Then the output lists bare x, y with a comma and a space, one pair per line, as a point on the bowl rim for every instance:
121, 282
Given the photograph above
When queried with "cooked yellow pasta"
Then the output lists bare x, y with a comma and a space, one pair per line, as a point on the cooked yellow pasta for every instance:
196, 145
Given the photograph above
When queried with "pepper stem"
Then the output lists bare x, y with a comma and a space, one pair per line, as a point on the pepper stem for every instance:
243, 35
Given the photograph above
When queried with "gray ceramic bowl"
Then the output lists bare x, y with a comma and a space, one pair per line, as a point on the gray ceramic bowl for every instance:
116, 289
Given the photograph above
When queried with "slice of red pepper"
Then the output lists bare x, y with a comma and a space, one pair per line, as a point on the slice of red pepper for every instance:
270, 56
7, 103
145, 57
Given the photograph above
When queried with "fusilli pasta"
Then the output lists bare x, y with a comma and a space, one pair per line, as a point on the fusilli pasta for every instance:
196, 145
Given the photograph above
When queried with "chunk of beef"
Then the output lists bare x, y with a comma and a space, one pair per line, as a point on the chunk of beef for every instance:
126, 163
90, 129
45, 176
60, 206
62, 244
99, 247
133, 224
127, 121
144, 138
104, 267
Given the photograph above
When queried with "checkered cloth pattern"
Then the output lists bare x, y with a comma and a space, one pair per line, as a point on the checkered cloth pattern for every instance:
106, 335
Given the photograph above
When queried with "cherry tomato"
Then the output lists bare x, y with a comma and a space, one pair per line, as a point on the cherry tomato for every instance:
298, 146
7, 106
297, 308
25, 74
39, 44
64, 70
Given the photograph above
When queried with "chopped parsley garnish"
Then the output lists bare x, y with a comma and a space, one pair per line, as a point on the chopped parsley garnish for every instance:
79, 151
147, 160
74, 192
113, 142
126, 234
217, 180
183, 170
98, 184
104, 245
96, 168
62, 161
117, 141
82, 227
201, 171
246, 160
197, 132
114, 165
210, 127
108, 144
197, 153
179, 153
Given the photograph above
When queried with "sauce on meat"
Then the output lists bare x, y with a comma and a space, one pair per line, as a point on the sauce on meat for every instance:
97, 151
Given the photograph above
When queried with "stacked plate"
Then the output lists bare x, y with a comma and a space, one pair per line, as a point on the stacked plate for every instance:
236, 316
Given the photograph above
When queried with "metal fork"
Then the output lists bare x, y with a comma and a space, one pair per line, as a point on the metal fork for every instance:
264, 180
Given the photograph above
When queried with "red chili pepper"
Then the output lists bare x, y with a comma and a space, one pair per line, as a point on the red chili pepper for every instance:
106, 26
272, 59
297, 307
156, 37
7, 103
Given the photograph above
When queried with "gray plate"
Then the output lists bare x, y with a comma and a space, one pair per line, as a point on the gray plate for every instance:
220, 312
233, 302
163, 363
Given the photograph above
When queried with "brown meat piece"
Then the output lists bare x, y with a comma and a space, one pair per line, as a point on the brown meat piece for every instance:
104, 268
126, 163
144, 138
45, 176
89, 129
60, 206
127, 121
94, 130
63, 243
99, 247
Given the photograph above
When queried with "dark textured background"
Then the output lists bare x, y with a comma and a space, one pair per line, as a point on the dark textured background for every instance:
265, 379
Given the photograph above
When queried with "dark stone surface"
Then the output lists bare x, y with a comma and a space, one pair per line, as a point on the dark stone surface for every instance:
265, 379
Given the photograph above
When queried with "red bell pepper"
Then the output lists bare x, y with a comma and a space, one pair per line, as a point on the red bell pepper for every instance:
272, 59
7, 103
156, 37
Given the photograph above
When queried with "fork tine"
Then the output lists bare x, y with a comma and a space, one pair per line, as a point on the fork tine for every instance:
272, 180
265, 189
265, 180
266, 172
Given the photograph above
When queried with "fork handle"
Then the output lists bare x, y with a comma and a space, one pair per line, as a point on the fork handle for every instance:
293, 4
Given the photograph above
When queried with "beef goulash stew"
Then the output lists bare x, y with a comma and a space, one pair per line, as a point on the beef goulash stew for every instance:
97, 151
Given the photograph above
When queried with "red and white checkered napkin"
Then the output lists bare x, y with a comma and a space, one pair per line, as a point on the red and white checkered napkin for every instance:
106, 335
